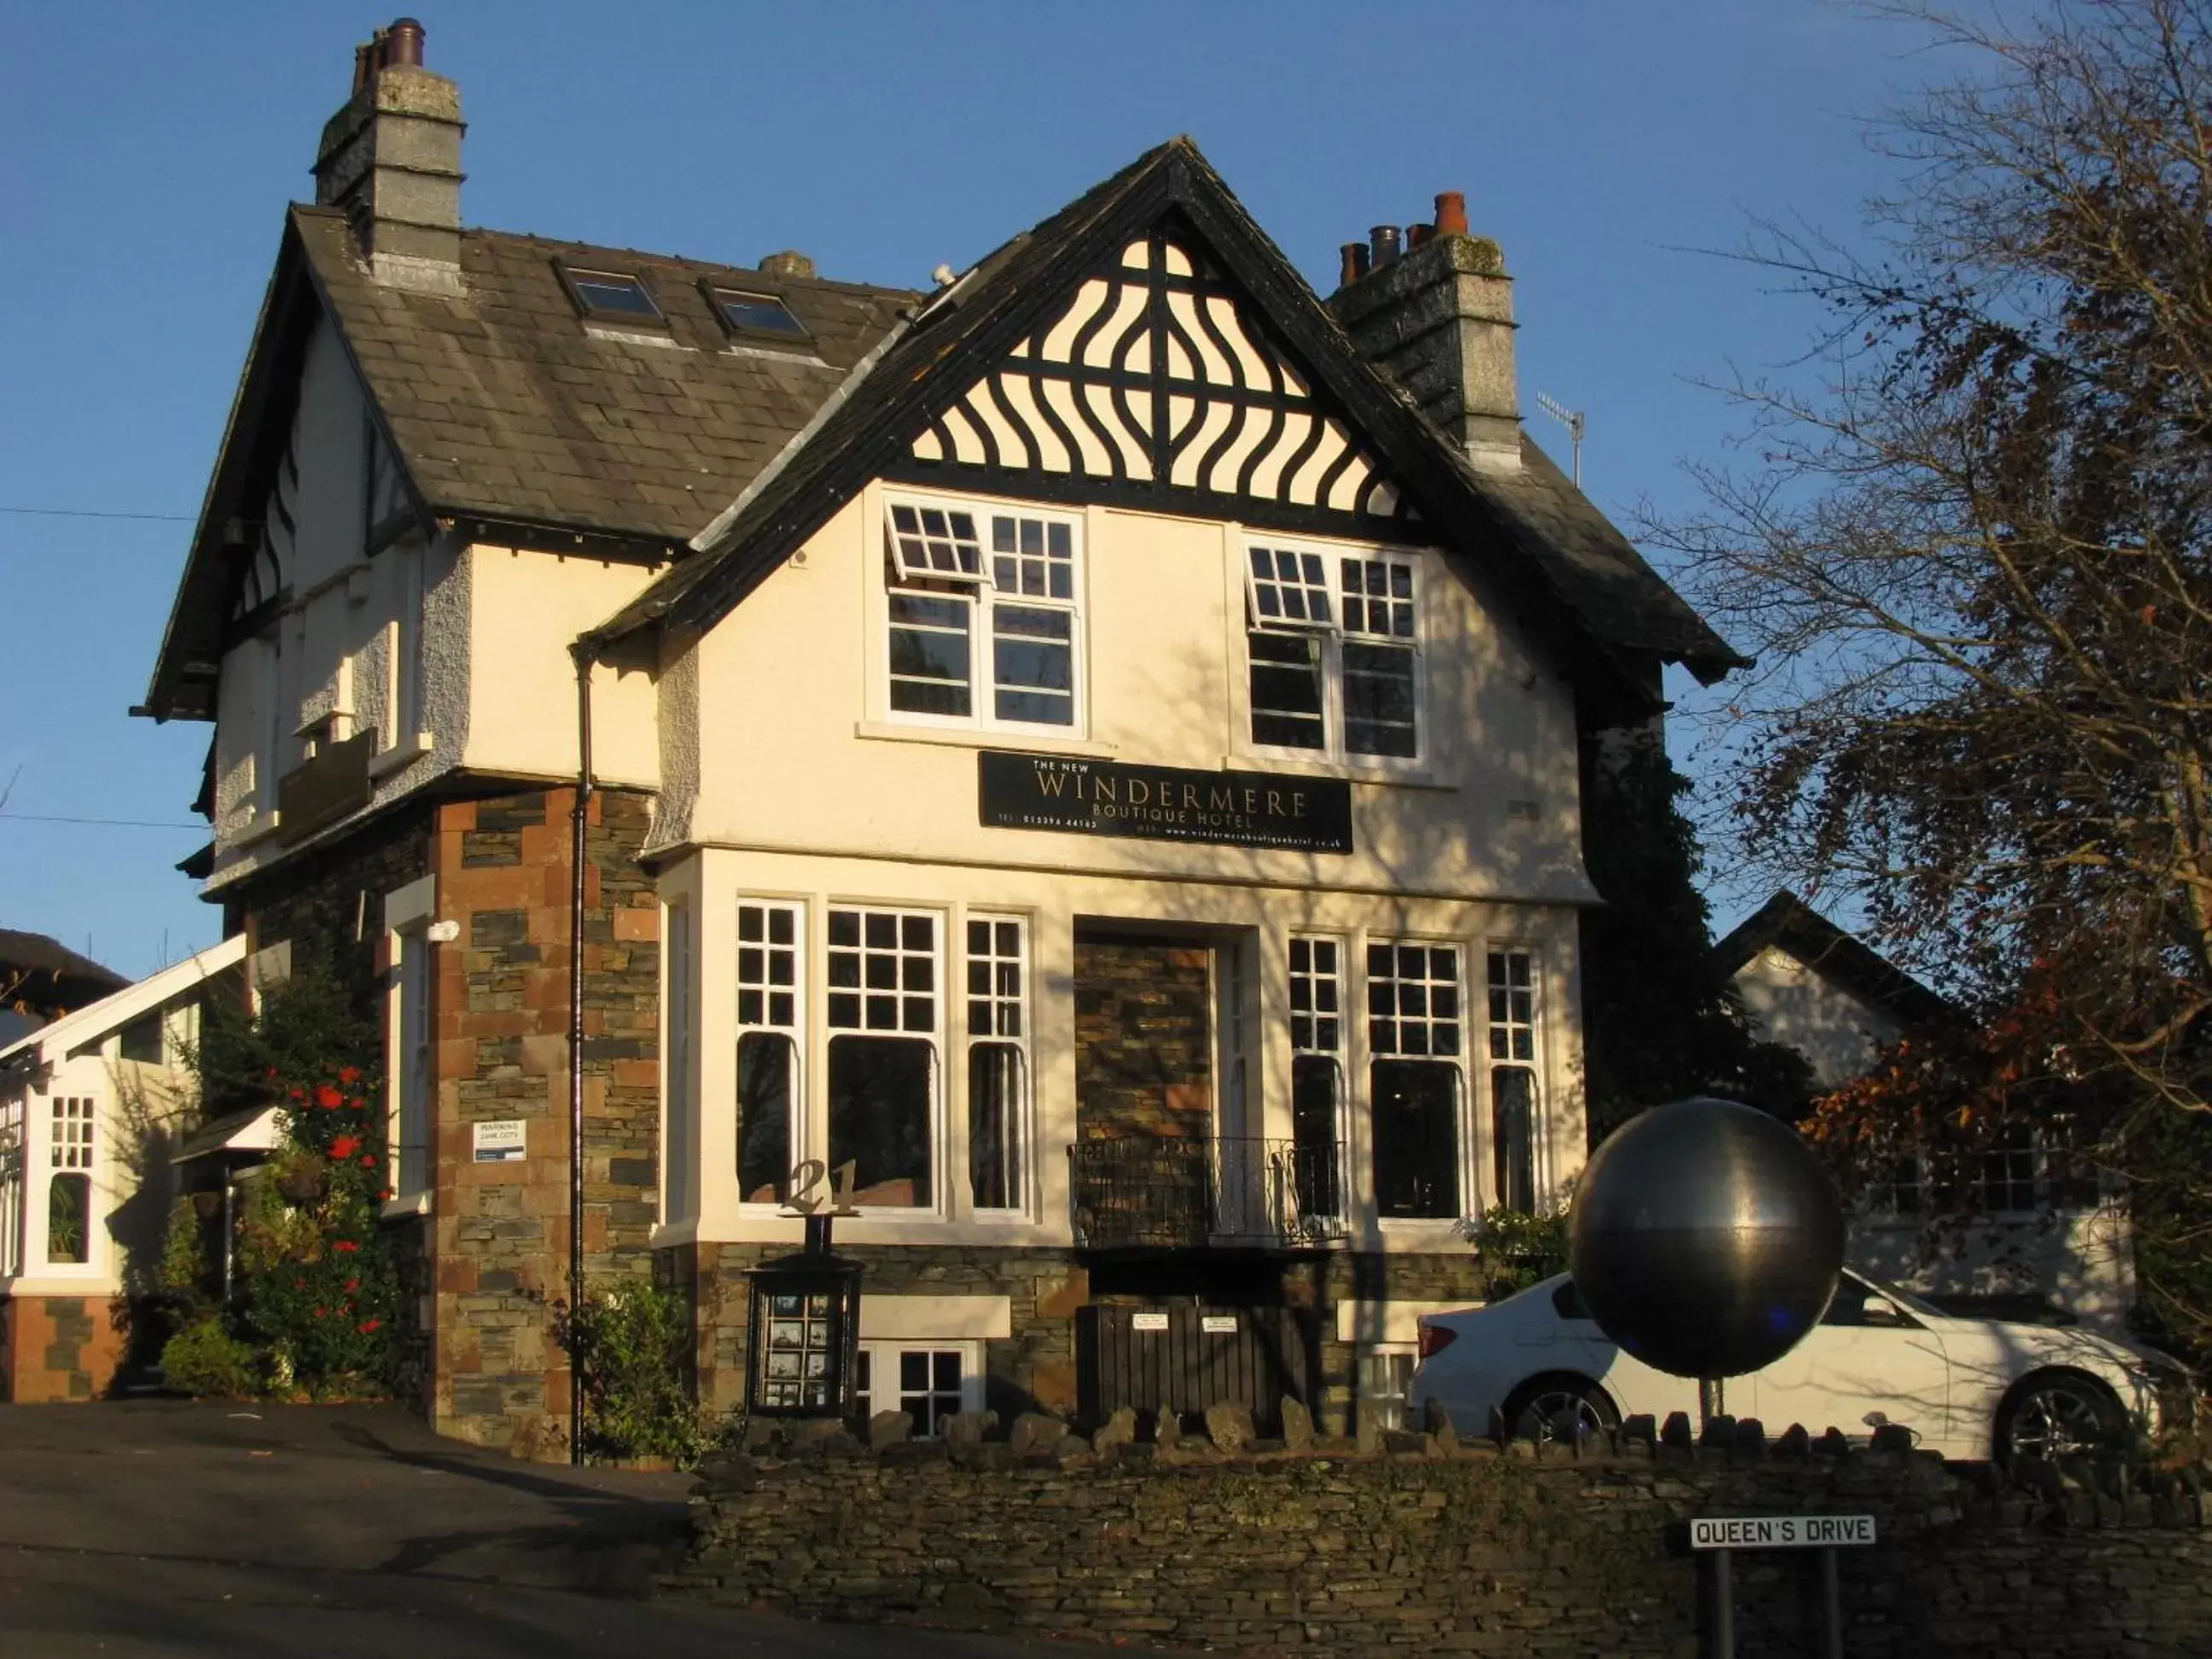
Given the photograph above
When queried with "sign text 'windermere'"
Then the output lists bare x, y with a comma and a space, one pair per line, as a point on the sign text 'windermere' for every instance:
1165, 803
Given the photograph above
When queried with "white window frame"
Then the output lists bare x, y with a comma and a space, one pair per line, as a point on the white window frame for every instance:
1020, 1191
982, 595
805, 949
1313, 1038
411, 1048
679, 1117
883, 1355
939, 1118
14, 1162
74, 1135
1471, 1184
1540, 1178
1363, 1352
1332, 632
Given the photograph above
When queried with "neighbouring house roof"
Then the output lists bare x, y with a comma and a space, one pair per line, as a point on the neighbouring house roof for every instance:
46, 975
1560, 552
1788, 923
91, 1023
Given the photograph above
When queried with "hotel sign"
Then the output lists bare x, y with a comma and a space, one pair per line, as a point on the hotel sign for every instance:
1165, 803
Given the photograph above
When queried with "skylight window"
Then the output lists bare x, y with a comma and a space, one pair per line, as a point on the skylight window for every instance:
744, 312
611, 293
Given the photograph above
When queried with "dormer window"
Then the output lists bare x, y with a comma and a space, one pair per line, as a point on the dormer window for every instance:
611, 295
745, 312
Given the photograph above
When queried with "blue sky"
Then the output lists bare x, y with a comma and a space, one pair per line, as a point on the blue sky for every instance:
149, 151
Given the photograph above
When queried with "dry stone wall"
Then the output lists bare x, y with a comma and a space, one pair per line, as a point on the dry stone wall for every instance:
1450, 1549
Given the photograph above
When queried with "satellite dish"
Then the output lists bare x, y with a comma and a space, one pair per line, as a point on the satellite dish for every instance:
1706, 1238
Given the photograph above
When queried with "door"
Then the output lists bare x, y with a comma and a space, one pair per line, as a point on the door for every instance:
1868, 1361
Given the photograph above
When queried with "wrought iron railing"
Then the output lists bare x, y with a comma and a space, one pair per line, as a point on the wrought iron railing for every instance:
1188, 1194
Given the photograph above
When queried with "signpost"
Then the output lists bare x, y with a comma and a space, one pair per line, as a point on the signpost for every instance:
1723, 1534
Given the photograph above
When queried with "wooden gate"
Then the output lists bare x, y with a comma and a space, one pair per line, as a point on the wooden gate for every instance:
1184, 1358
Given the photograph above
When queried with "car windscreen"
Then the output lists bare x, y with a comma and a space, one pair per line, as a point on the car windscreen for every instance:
1904, 1299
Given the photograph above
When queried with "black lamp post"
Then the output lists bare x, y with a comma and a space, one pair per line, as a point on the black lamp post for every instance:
805, 1332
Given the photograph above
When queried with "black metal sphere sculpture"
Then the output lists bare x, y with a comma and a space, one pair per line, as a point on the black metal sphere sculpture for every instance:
1706, 1238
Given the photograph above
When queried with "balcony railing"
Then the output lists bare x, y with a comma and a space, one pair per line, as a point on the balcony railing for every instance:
1189, 1194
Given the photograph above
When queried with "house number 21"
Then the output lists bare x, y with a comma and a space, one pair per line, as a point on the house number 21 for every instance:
808, 1178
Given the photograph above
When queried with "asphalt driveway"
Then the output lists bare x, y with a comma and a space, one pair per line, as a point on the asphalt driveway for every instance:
147, 1527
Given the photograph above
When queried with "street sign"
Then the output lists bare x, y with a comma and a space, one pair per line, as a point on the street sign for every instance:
1780, 1532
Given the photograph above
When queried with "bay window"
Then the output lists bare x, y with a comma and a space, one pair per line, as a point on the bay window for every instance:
1334, 652
998, 1062
69, 1187
1513, 1080
984, 615
768, 1038
881, 998
1414, 1082
1316, 1073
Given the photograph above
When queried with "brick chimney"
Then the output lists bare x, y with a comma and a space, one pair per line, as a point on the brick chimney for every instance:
391, 159
1437, 318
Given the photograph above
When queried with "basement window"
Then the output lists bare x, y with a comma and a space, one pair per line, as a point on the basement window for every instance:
609, 294
744, 312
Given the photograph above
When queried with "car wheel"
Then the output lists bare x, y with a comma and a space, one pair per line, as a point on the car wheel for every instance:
1557, 1410
2056, 1413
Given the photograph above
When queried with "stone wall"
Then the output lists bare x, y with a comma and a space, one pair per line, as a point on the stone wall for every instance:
1450, 1549
58, 1347
1144, 1054
500, 1253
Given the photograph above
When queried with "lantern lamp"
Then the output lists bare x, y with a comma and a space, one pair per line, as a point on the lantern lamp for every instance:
805, 1332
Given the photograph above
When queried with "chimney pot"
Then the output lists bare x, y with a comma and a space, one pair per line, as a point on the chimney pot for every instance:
1382, 239
403, 43
1419, 236
1354, 256
1451, 213
789, 263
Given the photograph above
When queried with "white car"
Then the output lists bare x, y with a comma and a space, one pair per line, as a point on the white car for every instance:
1966, 1388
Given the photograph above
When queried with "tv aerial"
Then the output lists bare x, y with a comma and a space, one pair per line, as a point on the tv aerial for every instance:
1575, 422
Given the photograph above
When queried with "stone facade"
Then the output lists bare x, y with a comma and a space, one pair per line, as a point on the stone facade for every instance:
1144, 1065
58, 1347
1035, 1369
1450, 1549
491, 1254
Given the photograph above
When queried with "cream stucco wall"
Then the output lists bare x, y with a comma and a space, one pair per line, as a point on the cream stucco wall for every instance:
1839, 1033
793, 745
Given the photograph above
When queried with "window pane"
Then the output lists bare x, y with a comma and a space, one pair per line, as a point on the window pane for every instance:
605, 293
1286, 690
1317, 1155
1416, 1118
758, 311
69, 1205
1513, 1135
765, 1066
1378, 701
880, 1102
1289, 587
995, 1112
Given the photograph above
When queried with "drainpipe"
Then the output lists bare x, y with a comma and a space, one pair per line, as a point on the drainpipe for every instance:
576, 848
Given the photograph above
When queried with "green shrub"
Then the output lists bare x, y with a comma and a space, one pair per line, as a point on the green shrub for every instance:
633, 1344
206, 1359
1515, 1248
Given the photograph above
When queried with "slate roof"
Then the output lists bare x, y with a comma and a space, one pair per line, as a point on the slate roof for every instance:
53, 976
511, 415
1579, 578
506, 406
1787, 921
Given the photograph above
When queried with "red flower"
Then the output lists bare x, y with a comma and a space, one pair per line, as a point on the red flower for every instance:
296, 1094
327, 1097
348, 1073
367, 1161
272, 1071
358, 1105
345, 1146
353, 1283
322, 1313
346, 1246
299, 1283
368, 1325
